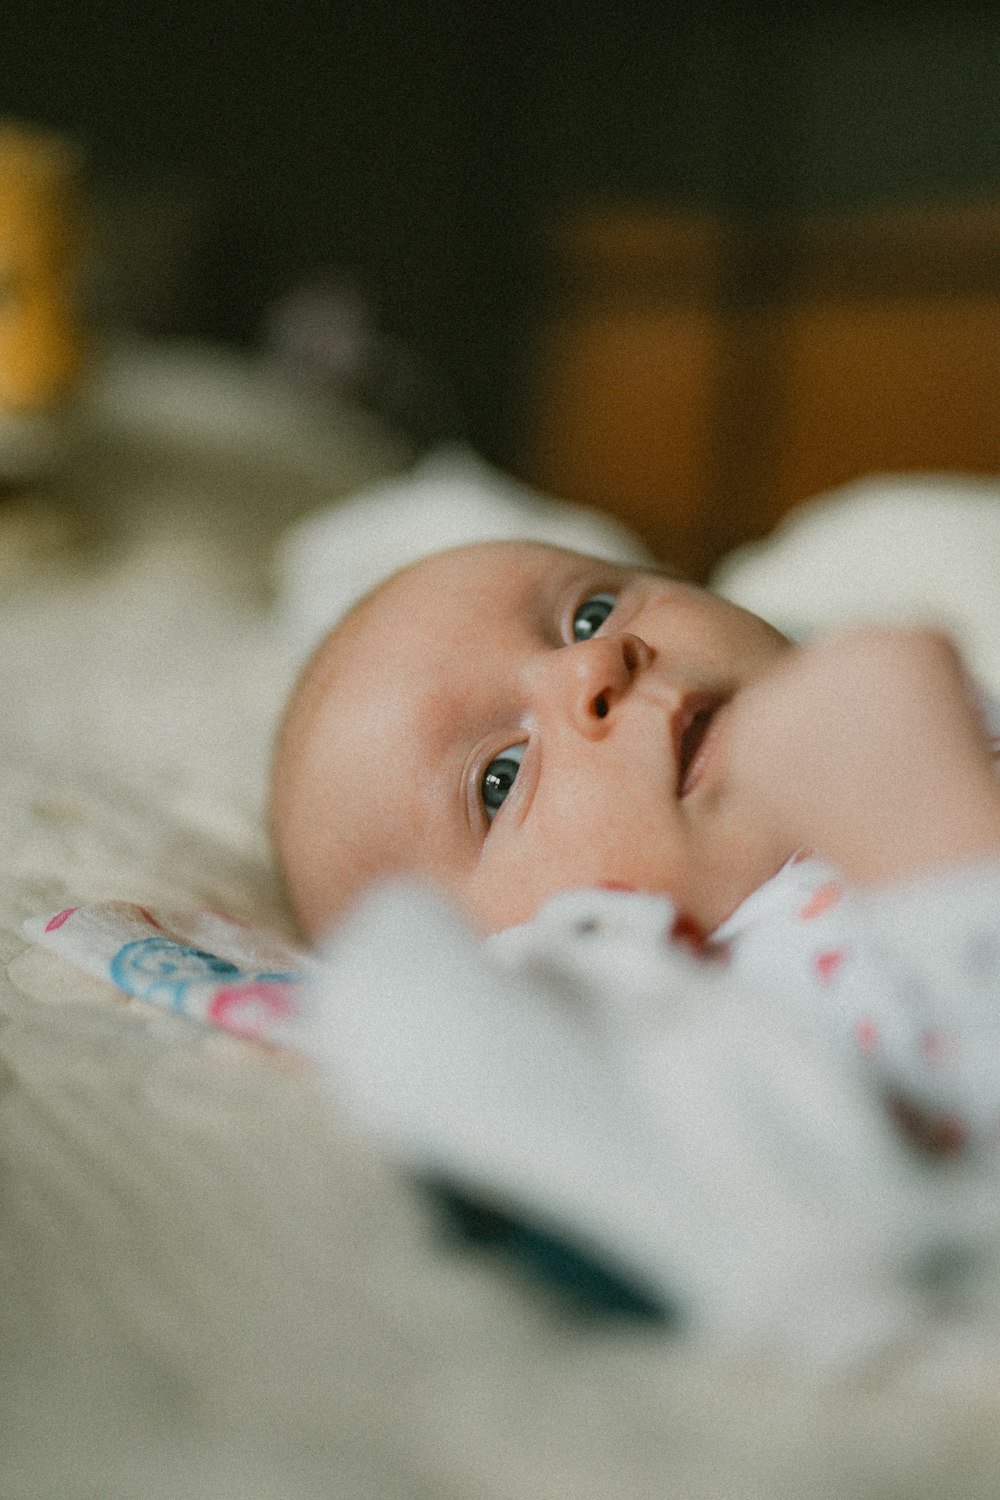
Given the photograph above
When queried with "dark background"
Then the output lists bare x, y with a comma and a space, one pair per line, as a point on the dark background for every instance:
427, 147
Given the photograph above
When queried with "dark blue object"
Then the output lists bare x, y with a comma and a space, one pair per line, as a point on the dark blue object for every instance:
589, 1286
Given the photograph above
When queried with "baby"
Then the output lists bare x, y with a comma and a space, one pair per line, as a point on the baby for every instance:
701, 1052
512, 720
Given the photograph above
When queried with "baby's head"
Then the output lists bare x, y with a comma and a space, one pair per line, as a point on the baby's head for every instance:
510, 720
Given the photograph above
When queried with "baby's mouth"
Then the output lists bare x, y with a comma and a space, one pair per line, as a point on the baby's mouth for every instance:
691, 727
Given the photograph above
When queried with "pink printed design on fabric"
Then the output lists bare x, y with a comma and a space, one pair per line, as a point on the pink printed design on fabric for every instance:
60, 917
252, 1010
820, 901
866, 1035
828, 963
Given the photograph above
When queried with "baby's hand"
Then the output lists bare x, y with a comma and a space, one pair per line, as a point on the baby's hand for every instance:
868, 747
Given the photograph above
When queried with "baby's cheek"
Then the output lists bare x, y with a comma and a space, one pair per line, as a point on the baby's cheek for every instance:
518, 872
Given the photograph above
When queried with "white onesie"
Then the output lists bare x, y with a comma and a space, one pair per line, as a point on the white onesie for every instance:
788, 1131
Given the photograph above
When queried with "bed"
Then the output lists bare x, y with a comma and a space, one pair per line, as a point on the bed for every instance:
213, 1285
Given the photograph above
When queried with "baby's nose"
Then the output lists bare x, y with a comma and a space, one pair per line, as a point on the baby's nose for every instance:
585, 682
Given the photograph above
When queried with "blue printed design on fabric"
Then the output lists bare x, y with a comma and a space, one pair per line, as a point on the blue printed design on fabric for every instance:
160, 970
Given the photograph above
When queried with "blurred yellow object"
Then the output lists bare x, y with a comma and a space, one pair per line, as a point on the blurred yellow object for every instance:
42, 344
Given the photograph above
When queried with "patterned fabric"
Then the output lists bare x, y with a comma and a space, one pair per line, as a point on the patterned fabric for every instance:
203, 964
908, 978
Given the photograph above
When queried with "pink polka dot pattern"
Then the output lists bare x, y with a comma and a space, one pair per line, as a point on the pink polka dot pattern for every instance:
827, 963
820, 901
866, 1035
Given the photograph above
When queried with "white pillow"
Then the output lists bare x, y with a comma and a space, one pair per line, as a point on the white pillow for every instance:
904, 547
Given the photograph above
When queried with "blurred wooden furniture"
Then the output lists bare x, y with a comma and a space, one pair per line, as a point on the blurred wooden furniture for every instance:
42, 234
43, 349
699, 378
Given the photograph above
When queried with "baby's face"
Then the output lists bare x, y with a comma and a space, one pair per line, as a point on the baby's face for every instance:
513, 720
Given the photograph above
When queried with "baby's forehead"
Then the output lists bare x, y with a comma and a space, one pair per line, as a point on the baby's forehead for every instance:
513, 574
498, 560
426, 621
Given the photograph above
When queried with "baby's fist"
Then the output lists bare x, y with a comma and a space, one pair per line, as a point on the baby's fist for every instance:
868, 747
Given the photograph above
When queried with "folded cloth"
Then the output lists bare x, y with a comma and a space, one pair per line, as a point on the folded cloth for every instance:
203, 964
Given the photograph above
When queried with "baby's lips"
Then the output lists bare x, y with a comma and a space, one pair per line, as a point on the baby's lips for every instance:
691, 723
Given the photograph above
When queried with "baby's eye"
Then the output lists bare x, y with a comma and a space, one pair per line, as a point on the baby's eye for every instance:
498, 778
591, 615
